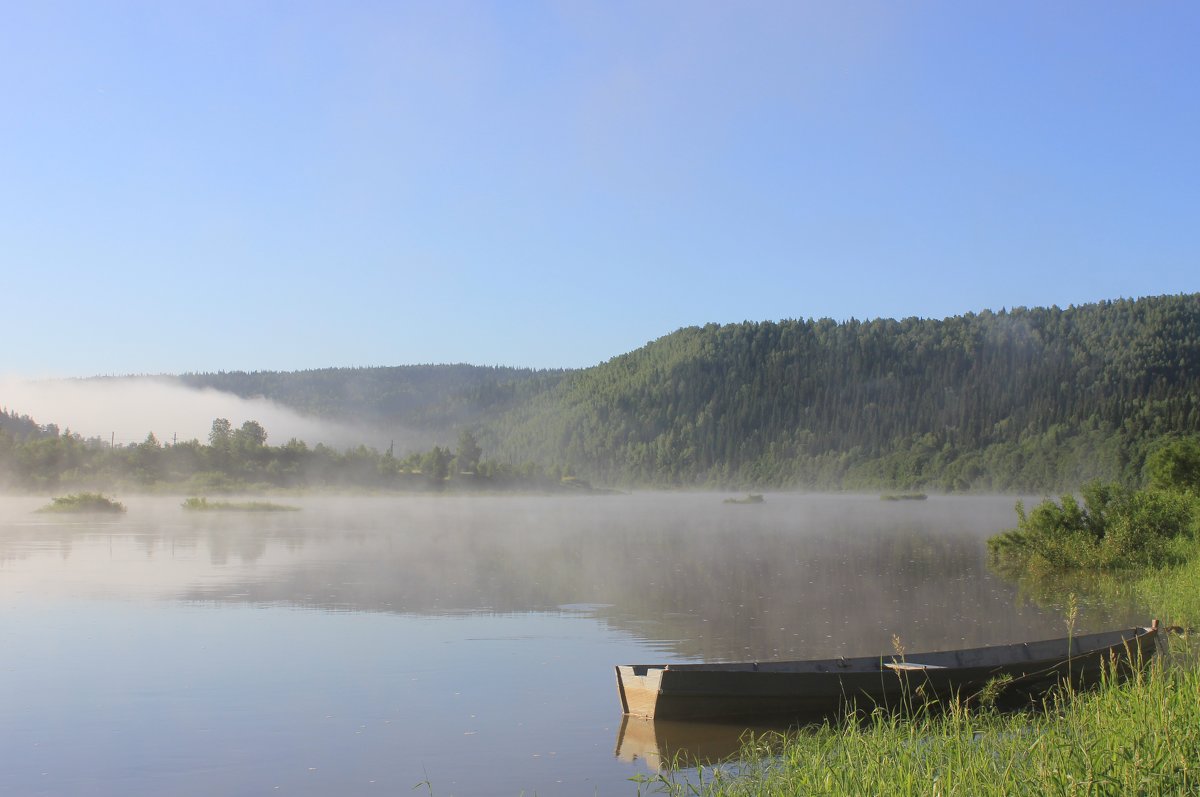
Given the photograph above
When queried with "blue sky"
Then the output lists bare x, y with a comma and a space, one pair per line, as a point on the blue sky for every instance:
210, 186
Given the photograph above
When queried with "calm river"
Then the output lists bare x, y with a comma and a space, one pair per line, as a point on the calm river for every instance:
362, 646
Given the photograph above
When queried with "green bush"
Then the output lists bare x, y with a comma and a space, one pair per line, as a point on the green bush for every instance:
84, 502
1115, 527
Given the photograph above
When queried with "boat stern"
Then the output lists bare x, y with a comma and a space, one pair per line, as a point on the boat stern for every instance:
638, 686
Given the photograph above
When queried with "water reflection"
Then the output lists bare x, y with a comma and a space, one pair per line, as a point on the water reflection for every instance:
470, 640
664, 745
796, 577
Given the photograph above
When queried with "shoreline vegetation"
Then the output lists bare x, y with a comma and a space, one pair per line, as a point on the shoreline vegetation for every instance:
239, 461
1138, 735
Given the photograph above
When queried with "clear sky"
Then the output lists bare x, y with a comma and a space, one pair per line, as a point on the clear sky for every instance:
201, 186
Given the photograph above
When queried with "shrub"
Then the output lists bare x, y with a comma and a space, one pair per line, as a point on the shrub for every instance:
83, 502
1115, 527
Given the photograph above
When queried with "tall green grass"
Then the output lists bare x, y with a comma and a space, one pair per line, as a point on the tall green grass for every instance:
1140, 736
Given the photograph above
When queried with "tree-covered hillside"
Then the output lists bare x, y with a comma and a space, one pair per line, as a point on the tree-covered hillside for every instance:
1025, 399
1021, 399
434, 397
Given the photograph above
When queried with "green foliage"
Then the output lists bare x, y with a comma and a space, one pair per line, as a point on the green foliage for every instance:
1027, 399
1115, 527
1140, 736
204, 505
1175, 466
1136, 736
469, 452
436, 464
84, 502
1018, 400
241, 461
222, 433
438, 399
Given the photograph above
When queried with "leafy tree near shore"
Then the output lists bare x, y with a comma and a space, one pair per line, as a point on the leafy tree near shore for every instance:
239, 460
469, 452
1176, 466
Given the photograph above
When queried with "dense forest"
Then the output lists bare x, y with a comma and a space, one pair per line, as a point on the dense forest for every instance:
1022, 399
441, 398
1016, 400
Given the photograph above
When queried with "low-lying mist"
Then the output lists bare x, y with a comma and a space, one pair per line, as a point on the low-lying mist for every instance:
794, 577
126, 410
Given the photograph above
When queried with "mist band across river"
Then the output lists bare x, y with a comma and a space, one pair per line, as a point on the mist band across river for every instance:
364, 645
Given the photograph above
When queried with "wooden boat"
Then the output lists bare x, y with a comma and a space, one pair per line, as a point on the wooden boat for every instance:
823, 687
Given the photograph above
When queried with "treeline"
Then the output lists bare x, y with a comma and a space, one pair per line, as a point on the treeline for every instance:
1013, 400
34, 457
1027, 399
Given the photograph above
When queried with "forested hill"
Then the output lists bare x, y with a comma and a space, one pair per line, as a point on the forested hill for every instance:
432, 397
1025, 399
1022, 399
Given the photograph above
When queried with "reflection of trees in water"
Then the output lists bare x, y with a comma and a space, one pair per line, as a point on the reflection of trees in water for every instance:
795, 577
1106, 598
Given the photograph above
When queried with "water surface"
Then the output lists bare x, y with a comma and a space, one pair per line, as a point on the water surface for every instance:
364, 645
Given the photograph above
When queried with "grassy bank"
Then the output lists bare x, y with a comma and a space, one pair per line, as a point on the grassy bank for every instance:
1137, 737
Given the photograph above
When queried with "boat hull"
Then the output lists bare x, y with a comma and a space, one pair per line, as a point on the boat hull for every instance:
820, 688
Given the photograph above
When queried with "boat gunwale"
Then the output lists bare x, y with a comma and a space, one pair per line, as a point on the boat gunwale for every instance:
1080, 645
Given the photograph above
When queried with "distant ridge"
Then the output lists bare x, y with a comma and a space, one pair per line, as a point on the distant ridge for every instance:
1020, 399
435, 397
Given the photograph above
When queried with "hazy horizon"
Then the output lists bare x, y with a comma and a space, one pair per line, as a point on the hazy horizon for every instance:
126, 410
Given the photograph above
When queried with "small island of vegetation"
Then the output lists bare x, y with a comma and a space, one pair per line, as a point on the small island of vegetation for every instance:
903, 497
84, 502
204, 505
752, 498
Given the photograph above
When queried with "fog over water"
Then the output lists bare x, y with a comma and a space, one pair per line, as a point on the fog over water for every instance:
361, 645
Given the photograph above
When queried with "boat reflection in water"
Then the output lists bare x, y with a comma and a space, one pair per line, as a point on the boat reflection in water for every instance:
663, 745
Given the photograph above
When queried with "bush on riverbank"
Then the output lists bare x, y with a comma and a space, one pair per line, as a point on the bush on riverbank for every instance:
1115, 527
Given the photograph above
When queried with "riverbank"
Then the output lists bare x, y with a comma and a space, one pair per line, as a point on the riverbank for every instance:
1139, 736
